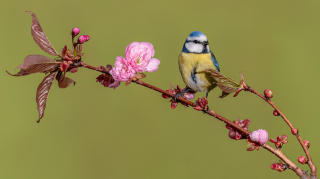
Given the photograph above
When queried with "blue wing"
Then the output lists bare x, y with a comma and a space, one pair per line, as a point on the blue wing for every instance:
215, 62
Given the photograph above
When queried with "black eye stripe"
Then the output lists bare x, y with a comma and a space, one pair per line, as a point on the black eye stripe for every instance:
198, 42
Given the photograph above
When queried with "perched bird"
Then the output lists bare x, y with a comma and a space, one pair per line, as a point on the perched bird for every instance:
193, 60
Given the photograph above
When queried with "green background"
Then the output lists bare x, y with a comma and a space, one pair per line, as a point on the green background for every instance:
89, 131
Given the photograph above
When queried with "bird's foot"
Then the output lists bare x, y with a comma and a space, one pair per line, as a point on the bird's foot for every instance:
176, 96
180, 94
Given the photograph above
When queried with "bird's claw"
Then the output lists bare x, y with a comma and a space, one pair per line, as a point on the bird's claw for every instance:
176, 96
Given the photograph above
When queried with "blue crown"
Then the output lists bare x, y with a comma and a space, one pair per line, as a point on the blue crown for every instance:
196, 34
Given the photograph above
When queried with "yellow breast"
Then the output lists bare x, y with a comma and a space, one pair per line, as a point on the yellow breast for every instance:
191, 67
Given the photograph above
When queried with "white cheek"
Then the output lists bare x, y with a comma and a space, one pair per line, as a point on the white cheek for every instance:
201, 38
194, 48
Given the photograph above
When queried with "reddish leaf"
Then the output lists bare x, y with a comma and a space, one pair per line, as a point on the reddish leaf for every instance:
34, 59
36, 64
38, 68
64, 82
43, 92
40, 37
43, 68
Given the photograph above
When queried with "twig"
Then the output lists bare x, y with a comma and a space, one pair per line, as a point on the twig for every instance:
245, 133
294, 131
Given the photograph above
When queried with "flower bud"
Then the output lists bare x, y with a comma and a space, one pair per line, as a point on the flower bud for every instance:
294, 131
268, 93
302, 160
306, 143
280, 167
75, 31
82, 39
64, 50
275, 166
87, 37
284, 139
260, 136
275, 112
279, 138
173, 104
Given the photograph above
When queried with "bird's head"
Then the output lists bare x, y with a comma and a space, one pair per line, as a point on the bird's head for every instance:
196, 42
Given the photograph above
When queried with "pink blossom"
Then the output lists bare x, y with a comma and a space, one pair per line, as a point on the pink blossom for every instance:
260, 136
153, 65
189, 95
139, 57
114, 85
122, 71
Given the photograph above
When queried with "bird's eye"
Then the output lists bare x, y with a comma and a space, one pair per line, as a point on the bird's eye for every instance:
196, 41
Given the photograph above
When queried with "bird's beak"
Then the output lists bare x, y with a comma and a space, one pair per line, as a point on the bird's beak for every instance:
205, 43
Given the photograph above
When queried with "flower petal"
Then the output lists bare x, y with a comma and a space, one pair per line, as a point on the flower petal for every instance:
153, 65
263, 137
189, 95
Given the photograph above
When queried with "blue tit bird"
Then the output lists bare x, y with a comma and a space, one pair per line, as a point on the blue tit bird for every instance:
193, 60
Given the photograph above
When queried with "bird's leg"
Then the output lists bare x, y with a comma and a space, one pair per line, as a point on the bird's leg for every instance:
207, 94
176, 96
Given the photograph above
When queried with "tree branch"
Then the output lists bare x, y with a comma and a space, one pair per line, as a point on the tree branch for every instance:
294, 131
245, 133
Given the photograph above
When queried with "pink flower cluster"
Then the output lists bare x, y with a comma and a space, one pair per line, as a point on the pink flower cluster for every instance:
138, 58
260, 136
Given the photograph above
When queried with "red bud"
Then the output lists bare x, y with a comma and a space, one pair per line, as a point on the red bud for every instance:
302, 160
268, 93
173, 104
306, 143
64, 50
275, 112
280, 167
294, 131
